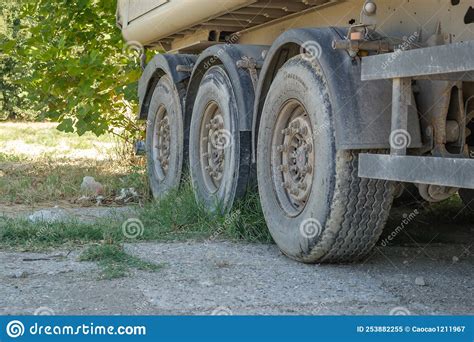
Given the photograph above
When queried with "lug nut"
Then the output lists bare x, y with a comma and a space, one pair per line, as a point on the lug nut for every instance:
303, 131
295, 124
294, 192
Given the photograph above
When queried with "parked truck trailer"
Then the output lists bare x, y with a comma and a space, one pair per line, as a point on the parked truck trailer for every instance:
327, 105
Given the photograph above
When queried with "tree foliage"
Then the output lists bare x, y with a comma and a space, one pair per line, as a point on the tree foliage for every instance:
74, 66
12, 98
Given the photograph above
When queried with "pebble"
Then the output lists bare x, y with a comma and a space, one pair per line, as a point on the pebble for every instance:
420, 281
90, 185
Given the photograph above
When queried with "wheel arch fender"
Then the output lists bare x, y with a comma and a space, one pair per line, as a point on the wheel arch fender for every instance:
160, 65
362, 110
227, 55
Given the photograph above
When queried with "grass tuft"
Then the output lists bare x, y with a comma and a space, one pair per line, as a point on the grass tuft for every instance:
115, 262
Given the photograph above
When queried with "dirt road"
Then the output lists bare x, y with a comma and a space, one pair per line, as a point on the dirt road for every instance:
227, 278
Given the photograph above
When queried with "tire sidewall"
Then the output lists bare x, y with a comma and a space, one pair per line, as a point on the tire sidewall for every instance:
217, 87
304, 81
165, 95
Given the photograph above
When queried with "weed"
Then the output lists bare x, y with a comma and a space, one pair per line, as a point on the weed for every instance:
115, 262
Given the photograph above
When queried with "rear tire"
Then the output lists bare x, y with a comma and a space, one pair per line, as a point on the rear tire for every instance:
164, 138
215, 153
315, 205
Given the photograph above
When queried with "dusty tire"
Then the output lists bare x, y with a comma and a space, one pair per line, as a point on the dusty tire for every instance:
215, 152
342, 216
164, 139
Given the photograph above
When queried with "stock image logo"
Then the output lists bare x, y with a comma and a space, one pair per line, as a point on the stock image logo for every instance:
221, 139
222, 311
311, 50
400, 139
311, 228
133, 48
133, 228
44, 311
15, 329
400, 311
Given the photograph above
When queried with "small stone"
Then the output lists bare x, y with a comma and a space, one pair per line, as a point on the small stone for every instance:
99, 200
48, 215
455, 259
84, 200
420, 281
91, 186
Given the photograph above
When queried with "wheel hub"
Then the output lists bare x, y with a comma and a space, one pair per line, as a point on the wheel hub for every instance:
162, 140
295, 155
213, 151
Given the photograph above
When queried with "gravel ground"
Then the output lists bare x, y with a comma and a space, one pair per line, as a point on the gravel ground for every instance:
64, 213
223, 277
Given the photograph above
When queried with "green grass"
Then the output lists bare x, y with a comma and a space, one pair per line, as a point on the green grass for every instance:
115, 262
178, 217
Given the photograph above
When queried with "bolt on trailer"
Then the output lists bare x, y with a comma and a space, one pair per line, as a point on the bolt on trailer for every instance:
329, 105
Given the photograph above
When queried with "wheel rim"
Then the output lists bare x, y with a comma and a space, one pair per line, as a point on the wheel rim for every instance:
212, 152
161, 143
292, 157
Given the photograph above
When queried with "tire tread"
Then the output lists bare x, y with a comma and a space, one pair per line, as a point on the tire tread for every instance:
366, 211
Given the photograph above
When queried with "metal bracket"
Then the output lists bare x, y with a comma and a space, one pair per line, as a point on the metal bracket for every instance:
402, 67
449, 172
356, 41
251, 65
143, 59
185, 68
401, 100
